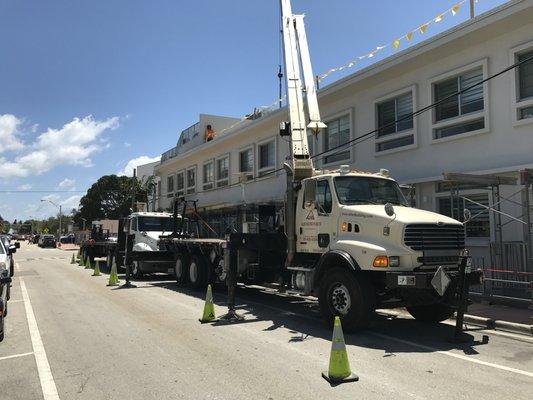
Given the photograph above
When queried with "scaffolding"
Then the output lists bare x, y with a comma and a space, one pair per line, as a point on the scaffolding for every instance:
509, 272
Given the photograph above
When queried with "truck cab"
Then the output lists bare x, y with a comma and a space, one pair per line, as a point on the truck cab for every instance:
147, 227
359, 245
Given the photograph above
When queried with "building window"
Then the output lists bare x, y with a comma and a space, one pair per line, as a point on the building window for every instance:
267, 157
223, 171
392, 110
525, 85
180, 183
479, 226
246, 163
337, 133
170, 186
191, 180
468, 103
208, 175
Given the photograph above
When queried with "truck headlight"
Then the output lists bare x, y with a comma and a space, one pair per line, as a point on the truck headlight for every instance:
381, 262
394, 261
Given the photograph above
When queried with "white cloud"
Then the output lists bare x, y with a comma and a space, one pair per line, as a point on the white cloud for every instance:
67, 183
127, 144
9, 141
26, 186
73, 144
133, 163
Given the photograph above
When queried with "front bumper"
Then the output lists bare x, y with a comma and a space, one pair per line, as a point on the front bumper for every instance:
422, 279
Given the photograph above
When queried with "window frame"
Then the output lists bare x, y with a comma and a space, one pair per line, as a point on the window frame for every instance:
465, 118
397, 135
219, 182
262, 171
211, 184
322, 142
516, 103
170, 193
181, 192
191, 189
330, 187
250, 174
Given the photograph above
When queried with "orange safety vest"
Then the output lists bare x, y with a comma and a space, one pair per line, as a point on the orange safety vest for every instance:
209, 135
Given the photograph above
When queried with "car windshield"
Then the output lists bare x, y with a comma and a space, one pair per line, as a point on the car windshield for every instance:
155, 224
368, 190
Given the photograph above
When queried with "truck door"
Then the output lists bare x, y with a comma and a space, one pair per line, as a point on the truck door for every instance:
312, 231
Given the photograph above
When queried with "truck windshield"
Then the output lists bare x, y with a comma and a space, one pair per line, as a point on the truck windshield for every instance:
367, 190
155, 224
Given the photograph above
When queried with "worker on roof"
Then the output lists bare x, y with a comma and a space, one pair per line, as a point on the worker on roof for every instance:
209, 133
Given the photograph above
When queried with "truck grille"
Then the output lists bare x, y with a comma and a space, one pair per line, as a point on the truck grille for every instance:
422, 237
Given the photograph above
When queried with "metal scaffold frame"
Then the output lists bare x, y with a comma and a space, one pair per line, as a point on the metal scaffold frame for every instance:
511, 263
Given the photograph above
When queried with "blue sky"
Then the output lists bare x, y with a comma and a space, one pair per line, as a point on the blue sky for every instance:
88, 86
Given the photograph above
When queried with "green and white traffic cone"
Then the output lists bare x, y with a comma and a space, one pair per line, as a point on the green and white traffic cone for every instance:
113, 276
209, 308
96, 269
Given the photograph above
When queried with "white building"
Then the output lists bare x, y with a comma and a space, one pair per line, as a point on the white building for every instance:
488, 130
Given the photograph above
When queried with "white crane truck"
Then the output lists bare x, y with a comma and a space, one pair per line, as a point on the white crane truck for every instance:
347, 237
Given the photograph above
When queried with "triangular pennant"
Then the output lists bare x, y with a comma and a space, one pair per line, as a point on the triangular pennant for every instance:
455, 9
439, 18
423, 28
409, 36
396, 43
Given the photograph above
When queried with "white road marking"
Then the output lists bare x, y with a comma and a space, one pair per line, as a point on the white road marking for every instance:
16, 356
451, 354
48, 385
15, 301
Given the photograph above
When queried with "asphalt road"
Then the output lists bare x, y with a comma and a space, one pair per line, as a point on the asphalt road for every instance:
69, 336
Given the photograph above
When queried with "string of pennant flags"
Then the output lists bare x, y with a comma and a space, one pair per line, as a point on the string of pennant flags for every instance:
395, 44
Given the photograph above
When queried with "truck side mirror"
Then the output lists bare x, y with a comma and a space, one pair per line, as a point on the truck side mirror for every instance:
467, 215
310, 194
389, 209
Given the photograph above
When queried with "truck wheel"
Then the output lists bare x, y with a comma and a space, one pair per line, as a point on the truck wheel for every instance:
180, 269
136, 270
198, 272
431, 313
347, 295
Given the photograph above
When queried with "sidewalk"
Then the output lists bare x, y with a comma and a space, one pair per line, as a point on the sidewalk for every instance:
501, 312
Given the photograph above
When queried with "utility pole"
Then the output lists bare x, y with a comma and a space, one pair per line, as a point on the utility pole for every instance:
134, 189
472, 10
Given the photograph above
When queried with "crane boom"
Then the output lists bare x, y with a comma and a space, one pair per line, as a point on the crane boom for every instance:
297, 62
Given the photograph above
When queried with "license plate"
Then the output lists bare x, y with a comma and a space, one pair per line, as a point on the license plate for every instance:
406, 280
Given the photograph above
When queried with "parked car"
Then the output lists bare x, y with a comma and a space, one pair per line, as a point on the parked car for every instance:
36, 238
47, 241
11, 248
5, 283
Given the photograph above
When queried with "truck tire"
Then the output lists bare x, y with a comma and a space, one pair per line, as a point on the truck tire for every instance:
136, 270
198, 272
432, 313
347, 295
180, 269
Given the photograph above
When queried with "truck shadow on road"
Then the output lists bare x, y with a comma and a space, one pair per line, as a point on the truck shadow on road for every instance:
391, 334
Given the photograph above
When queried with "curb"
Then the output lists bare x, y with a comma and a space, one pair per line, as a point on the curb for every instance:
513, 327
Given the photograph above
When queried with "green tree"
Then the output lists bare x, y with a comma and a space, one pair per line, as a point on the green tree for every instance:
109, 198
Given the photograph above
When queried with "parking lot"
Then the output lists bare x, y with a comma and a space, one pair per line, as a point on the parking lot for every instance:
69, 336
